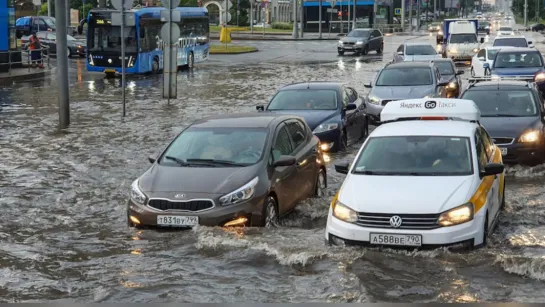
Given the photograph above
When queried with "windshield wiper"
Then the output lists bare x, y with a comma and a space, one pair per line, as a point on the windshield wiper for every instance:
373, 173
177, 160
500, 115
215, 162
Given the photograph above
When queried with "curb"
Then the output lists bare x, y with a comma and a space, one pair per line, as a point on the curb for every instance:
241, 52
28, 76
277, 39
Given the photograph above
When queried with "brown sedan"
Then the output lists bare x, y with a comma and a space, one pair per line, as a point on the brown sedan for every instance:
232, 170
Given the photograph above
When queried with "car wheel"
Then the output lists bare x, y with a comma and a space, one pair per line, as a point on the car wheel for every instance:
190, 60
379, 50
343, 142
365, 129
365, 50
270, 214
69, 53
472, 72
155, 66
502, 205
340, 52
321, 184
485, 231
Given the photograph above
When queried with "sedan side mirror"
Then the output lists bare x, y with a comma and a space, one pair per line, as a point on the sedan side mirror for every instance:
342, 168
486, 66
80, 30
284, 161
400, 52
492, 169
152, 159
482, 40
443, 83
260, 108
351, 106
460, 72
368, 85
482, 59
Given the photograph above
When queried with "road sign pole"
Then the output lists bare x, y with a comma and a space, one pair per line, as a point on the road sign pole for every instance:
62, 65
123, 56
295, 23
402, 15
302, 13
170, 35
354, 15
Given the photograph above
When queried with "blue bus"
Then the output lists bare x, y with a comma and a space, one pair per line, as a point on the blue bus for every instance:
143, 45
8, 41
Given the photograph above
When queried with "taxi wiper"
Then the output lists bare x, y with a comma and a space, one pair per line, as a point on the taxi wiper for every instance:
181, 162
500, 115
215, 162
373, 173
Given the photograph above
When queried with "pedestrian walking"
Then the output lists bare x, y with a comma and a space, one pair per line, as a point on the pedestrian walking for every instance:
35, 51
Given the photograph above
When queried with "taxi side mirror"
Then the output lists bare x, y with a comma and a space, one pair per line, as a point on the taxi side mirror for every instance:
368, 85
482, 40
486, 66
342, 168
492, 169
260, 108
152, 159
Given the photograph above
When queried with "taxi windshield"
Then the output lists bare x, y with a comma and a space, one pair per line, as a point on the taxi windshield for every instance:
517, 60
218, 146
504, 103
304, 100
415, 156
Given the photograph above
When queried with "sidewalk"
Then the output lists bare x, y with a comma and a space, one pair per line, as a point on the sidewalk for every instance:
23, 74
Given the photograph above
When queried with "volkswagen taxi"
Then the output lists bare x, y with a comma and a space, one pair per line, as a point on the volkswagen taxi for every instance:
429, 176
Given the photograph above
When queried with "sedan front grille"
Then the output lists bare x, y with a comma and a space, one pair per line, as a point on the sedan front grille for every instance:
191, 205
502, 141
408, 221
349, 43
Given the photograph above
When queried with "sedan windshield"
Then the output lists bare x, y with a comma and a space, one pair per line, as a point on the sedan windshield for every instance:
304, 100
420, 50
504, 103
415, 156
463, 38
216, 147
506, 29
518, 60
445, 68
359, 33
406, 76
511, 42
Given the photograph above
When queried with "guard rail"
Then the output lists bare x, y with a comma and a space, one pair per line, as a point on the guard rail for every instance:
45, 57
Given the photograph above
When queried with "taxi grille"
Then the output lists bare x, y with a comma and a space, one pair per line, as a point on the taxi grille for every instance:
408, 221
191, 205
504, 141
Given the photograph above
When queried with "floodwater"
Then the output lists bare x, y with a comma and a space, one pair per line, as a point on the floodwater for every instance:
64, 236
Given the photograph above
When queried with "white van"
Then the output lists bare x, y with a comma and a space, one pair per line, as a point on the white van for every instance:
462, 43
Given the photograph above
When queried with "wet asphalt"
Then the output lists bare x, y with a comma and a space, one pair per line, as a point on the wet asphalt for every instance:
63, 195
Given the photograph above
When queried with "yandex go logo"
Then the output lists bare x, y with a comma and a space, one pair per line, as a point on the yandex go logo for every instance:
430, 104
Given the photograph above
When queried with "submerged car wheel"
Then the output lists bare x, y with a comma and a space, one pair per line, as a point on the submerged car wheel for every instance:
365, 50
321, 184
270, 216
485, 231
155, 66
379, 50
342, 143
340, 52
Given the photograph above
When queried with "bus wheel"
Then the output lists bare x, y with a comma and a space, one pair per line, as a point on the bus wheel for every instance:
155, 66
190, 60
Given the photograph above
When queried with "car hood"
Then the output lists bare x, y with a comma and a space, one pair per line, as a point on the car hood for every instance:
313, 117
507, 126
421, 58
213, 180
354, 39
445, 78
405, 194
402, 92
516, 71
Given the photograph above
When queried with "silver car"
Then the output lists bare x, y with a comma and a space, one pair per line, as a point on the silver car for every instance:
361, 41
406, 80
410, 52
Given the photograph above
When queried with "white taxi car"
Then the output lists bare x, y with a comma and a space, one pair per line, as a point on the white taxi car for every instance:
429, 176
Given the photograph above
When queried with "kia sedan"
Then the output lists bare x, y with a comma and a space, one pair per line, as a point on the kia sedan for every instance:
231, 170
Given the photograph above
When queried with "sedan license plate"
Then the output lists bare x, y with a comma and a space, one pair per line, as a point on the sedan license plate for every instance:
348, 47
394, 239
503, 151
177, 220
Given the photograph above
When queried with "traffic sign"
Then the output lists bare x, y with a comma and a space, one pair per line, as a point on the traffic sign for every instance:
333, 3
228, 17
174, 32
122, 4
229, 4
169, 4
397, 11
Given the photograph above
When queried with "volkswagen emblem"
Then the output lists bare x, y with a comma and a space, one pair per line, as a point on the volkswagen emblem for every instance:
395, 221
110, 61
179, 196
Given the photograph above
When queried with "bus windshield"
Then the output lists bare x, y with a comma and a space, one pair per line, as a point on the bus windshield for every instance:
107, 38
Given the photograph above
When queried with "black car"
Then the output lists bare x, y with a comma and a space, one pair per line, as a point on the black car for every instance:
484, 27
49, 39
334, 111
537, 27
513, 114
451, 74
230, 170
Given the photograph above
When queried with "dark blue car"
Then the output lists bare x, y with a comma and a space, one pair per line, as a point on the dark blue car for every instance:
334, 111
513, 114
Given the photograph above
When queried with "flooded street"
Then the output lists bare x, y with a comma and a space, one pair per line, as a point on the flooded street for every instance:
63, 197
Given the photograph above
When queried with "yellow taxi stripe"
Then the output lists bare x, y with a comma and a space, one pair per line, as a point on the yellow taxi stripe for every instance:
479, 198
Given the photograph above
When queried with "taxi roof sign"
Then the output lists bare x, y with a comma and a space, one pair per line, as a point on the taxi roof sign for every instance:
461, 109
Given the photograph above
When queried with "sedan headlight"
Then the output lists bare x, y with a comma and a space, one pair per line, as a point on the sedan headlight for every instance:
344, 213
326, 127
456, 216
452, 85
530, 137
540, 76
241, 194
340, 43
136, 194
487, 27
373, 100
476, 50
359, 43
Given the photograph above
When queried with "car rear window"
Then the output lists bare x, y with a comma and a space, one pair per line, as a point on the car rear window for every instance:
503, 103
517, 60
420, 50
304, 100
513, 42
405, 76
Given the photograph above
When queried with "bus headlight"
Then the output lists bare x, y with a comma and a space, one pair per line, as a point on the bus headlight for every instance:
131, 62
91, 62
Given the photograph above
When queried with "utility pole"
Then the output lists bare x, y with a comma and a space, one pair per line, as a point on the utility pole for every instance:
49, 8
418, 15
320, 19
435, 9
170, 35
302, 17
295, 23
252, 16
411, 16
525, 13
402, 15
375, 10
62, 64
354, 16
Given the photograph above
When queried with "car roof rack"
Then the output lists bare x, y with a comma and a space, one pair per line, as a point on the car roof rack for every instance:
431, 109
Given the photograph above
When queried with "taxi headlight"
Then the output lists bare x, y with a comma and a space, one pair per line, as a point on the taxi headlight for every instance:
243, 193
530, 137
452, 86
540, 76
136, 194
452, 50
456, 216
476, 50
326, 127
374, 100
344, 213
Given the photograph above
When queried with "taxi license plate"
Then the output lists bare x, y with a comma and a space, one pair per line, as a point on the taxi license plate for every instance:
177, 220
393, 239
503, 151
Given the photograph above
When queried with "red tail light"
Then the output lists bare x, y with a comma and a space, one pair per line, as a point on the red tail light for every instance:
433, 118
